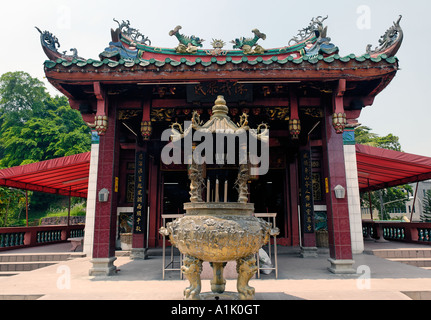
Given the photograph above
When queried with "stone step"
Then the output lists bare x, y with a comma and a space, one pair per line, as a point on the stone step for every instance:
13, 264
8, 273
20, 297
32, 257
417, 262
402, 253
24, 266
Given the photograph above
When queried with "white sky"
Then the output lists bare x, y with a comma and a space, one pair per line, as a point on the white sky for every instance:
402, 109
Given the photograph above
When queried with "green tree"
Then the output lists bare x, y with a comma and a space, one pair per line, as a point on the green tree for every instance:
388, 199
34, 126
363, 135
20, 93
12, 203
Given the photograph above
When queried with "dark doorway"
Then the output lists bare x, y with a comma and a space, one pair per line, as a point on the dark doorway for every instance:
175, 191
268, 195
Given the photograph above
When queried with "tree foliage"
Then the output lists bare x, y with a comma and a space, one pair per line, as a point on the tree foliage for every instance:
388, 199
35, 126
363, 135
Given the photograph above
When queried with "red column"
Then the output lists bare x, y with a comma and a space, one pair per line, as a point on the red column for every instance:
337, 209
106, 215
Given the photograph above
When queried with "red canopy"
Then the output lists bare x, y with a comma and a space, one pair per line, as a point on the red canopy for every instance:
381, 168
65, 176
377, 169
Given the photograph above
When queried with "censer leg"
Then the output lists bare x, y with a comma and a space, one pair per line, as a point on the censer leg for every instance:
192, 269
246, 268
218, 283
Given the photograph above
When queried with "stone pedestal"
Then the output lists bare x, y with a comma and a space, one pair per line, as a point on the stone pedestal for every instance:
103, 267
341, 266
308, 252
138, 254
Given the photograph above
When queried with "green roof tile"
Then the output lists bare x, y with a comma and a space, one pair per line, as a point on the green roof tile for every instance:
244, 59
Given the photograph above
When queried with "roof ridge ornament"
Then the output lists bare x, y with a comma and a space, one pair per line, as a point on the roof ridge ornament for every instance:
132, 34
217, 50
249, 45
315, 26
188, 44
50, 45
390, 42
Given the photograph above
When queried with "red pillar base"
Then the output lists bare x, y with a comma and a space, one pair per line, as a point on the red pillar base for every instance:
138, 252
341, 266
308, 252
103, 267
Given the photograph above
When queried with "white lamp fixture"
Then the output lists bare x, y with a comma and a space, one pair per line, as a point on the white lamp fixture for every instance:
340, 192
103, 195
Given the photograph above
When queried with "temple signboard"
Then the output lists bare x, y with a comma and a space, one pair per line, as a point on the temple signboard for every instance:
139, 199
209, 91
307, 202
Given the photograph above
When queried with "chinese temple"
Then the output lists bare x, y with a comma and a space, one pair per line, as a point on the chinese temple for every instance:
307, 94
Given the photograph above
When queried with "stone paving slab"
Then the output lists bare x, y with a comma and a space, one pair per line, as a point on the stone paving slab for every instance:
300, 279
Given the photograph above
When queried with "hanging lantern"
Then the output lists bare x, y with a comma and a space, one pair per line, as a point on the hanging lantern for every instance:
295, 128
101, 124
339, 121
146, 129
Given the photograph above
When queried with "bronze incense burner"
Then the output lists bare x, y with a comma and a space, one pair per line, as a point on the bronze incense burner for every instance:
216, 231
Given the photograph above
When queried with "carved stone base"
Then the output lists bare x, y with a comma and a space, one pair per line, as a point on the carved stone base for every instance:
309, 252
138, 254
341, 266
103, 267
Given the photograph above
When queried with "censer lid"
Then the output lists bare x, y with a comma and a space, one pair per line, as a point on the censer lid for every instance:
220, 108
220, 122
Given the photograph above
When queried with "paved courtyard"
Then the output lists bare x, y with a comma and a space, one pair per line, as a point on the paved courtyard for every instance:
299, 279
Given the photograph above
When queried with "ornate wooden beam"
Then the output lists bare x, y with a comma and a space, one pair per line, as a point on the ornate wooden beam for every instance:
339, 118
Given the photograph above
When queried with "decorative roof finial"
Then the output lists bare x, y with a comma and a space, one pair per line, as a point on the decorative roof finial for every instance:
220, 109
247, 44
50, 45
187, 44
390, 42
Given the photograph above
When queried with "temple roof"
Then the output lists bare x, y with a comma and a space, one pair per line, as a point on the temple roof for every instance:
196, 61
130, 59
129, 49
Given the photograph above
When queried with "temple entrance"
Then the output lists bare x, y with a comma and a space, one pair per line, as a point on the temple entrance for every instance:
268, 193
175, 191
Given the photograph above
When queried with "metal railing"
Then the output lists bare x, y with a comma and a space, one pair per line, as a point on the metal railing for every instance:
24, 237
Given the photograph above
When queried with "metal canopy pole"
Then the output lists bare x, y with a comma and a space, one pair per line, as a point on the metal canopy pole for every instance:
26, 207
414, 201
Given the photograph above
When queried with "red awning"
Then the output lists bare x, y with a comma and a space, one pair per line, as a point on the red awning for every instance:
64, 176
377, 169
381, 168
